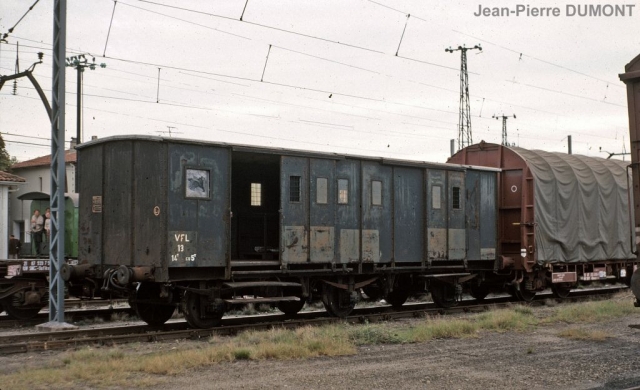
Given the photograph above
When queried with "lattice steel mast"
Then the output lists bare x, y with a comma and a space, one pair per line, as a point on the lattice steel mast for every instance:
56, 253
504, 126
465, 137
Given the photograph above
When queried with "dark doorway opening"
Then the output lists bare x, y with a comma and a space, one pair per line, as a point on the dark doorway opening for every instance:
255, 203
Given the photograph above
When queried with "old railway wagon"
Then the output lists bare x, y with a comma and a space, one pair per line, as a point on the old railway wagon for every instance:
563, 219
199, 225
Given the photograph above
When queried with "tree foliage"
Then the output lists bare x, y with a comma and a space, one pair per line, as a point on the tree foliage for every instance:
5, 159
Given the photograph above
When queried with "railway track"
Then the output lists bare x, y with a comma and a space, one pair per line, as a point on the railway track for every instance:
81, 310
178, 329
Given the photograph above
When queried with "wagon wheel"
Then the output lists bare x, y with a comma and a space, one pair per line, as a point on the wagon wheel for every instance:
291, 308
524, 294
478, 292
154, 314
561, 291
373, 291
397, 297
20, 312
338, 302
199, 315
443, 294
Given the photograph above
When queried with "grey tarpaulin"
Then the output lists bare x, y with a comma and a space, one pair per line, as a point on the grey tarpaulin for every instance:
581, 207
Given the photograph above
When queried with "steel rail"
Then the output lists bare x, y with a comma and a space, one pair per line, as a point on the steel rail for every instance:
41, 341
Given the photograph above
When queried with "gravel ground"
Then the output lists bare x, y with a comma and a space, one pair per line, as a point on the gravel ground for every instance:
533, 360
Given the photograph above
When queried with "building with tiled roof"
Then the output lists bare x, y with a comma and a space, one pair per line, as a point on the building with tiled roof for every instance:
37, 173
6, 177
69, 158
7, 181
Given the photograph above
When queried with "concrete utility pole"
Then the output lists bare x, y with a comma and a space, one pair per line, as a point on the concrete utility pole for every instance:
504, 126
56, 254
464, 122
80, 63
569, 144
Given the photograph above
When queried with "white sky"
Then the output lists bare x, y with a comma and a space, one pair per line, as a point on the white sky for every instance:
565, 83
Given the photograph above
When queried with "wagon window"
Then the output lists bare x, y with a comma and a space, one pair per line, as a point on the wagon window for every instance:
376, 193
343, 191
455, 193
321, 190
436, 197
197, 184
294, 188
256, 194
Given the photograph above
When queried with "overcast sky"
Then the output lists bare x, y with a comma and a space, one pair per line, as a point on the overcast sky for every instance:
332, 82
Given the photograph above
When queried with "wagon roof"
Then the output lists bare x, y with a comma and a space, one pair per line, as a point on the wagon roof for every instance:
285, 151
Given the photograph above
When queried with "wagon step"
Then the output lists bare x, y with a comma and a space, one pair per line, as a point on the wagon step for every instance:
254, 263
262, 300
260, 283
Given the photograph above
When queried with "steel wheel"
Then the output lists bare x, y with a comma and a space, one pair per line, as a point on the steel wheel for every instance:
291, 308
201, 314
397, 297
560, 290
338, 302
373, 291
21, 312
154, 314
443, 294
478, 292
525, 295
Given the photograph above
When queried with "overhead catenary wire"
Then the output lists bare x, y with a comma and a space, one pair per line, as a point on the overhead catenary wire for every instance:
502, 46
104, 53
5, 35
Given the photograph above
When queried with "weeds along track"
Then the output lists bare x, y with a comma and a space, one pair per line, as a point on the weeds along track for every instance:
178, 329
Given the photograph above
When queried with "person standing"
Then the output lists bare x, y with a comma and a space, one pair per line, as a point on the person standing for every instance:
37, 224
14, 247
47, 224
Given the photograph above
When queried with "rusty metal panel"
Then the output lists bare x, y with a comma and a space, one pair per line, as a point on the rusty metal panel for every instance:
378, 218
456, 217
198, 199
90, 177
149, 194
118, 203
322, 244
322, 216
408, 214
631, 78
437, 244
294, 244
371, 246
348, 211
294, 203
349, 245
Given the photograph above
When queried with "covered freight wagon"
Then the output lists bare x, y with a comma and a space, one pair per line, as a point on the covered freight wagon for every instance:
205, 225
567, 214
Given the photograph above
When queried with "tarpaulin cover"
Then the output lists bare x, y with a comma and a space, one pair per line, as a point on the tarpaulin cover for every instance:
581, 207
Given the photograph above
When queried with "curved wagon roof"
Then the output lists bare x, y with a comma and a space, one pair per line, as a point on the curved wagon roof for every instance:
581, 203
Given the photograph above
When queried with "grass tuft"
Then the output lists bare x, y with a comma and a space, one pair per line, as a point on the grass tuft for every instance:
583, 334
594, 311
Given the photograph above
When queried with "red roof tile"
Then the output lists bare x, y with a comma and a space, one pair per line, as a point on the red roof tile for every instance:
69, 157
4, 176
